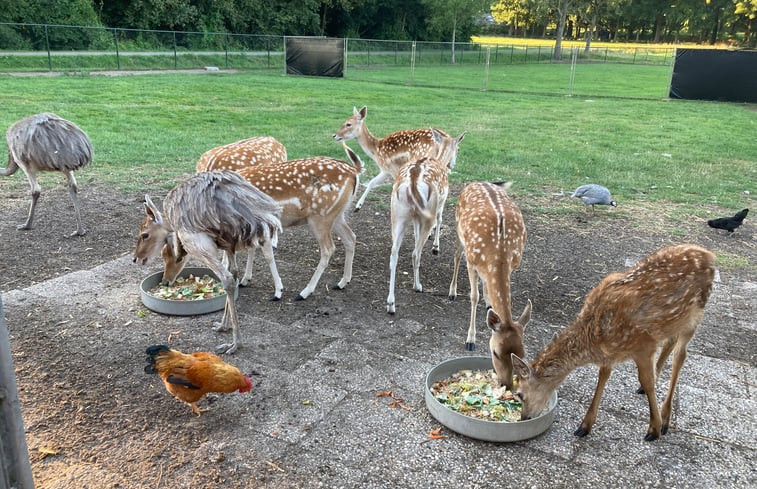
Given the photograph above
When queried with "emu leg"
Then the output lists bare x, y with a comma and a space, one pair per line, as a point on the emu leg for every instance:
73, 191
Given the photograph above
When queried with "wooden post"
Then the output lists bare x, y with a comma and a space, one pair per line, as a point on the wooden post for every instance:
15, 469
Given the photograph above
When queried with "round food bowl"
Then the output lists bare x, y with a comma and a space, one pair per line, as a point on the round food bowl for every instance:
481, 429
180, 308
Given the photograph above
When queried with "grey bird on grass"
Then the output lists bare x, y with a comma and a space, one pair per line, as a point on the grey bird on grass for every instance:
593, 194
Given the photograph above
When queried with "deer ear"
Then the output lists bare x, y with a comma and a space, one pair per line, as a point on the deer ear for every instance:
362, 112
461, 137
493, 320
520, 368
525, 317
152, 211
436, 135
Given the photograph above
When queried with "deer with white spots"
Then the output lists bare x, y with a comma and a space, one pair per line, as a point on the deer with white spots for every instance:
391, 152
316, 191
240, 154
418, 197
657, 303
491, 234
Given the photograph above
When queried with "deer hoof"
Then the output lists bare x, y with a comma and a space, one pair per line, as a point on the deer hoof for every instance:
338, 287
470, 346
664, 429
452, 298
435, 251
300, 298
581, 432
640, 390
275, 298
390, 308
651, 437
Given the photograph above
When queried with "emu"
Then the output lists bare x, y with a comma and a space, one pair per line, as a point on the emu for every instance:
47, 142
207, 213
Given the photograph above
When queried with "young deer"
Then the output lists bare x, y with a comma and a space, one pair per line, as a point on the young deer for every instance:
658, 302
418, 196
316, 191
491, 234
391, 152
241, 154
207, 213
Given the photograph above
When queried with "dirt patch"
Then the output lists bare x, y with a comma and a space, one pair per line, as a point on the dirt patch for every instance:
93, 421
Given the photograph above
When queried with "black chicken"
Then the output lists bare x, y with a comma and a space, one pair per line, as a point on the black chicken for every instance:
728, 223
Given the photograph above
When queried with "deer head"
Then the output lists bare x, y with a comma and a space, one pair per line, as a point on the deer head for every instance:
157, 239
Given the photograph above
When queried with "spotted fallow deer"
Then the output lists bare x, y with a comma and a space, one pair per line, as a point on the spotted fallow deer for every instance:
418, 197
241, 154
391, 152
658, 302
315, 191
491, 234
205, 214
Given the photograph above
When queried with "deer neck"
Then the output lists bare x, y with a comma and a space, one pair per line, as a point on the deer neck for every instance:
565, 353
368, 142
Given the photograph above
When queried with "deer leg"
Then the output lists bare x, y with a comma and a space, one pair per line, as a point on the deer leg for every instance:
73, 191
267, 249
591, 414
348, 239
667, 347
29, 224
326, 246
437, 229
679, 357
470, 342
398, 230
456, 268
374, 182
647, 380
421, 230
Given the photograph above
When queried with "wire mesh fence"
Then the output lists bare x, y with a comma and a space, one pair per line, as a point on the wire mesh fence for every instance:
571, 71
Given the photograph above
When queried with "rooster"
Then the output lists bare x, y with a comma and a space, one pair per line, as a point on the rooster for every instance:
728, 223
190, 377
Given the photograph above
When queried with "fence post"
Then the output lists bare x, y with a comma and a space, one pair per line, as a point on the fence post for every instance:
118, 59
174, 50
47, 45
15, 468
573, 57
226, 50
412, 63
486, 68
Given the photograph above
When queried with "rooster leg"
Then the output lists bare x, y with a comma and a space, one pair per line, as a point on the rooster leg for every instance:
198, 412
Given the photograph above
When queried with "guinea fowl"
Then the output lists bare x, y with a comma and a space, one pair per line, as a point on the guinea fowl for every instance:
729, 223
592, 194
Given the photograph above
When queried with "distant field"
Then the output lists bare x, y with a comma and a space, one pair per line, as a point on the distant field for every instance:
619, 45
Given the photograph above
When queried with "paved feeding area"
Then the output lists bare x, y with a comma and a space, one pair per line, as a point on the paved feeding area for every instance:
314, 418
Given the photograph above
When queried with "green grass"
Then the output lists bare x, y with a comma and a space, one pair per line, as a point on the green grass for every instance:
148, 131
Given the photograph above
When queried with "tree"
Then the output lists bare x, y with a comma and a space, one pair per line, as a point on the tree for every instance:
451, 16
747, 10
563, 8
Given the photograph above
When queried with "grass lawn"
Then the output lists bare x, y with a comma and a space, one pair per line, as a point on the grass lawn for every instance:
149, 130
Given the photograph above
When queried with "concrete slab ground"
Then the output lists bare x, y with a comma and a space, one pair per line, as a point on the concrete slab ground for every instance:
314, 420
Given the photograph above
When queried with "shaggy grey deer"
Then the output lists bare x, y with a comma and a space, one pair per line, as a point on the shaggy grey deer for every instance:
207, 213
47, 142
261, 150
390, 152
491, 234
418, 196
657, 303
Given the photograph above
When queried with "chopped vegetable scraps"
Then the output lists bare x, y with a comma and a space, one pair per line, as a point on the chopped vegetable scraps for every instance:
191, 288
477, 393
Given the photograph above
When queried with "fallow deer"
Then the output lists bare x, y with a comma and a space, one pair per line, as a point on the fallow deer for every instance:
491, 234
418, 197
316, 191
240, 154
207, 213
391, 152
658, 302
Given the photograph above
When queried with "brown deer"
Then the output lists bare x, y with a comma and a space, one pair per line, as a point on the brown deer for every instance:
315, 191
418, 196
658, 302
491, 234
47, 142
241, 154
391, 152
207, 213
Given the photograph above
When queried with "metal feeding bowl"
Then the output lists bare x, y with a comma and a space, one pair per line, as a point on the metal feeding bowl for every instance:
481, 429
180, 308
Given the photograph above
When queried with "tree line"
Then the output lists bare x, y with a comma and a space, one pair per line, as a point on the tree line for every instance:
703, 21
